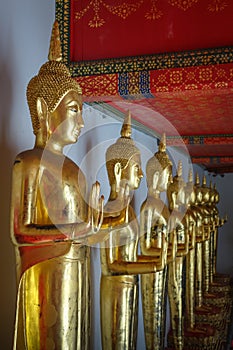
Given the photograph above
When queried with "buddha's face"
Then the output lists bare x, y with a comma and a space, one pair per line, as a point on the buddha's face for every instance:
163, 180
206, 197
212, 197
181, 196
190, 195
199, 198
133, 172
66, 121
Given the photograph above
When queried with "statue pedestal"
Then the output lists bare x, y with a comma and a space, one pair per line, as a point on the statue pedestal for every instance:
203, 337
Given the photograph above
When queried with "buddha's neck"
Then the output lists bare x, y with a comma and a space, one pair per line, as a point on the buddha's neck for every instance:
115, 194
154, 192
40, 142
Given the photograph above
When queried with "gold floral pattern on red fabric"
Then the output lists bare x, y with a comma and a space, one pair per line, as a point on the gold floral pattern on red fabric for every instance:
127, 8
217, 5
183, 4
122, 10
153, 13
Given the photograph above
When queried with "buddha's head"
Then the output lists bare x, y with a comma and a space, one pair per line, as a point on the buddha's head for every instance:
211, 194
159, 168
198, 190
46, 91
205, 191
123, 160
175, 192
216, 196
190, 194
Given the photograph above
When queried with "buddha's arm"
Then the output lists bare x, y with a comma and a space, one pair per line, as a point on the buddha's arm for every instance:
147, 219
199, 233
160, 260
191, 230
122, 259
189, 226
118, 266
30, 223
172, 246
132, 268
206, 223
199, 229
182, 247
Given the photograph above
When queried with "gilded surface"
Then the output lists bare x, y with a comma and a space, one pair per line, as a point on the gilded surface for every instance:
120, 262
176, 198
51, 222
190, 226
154, 225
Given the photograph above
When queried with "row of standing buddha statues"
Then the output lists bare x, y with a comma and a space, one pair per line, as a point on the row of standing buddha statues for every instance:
53, 227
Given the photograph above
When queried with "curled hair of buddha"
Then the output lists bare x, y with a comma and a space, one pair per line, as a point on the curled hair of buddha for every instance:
53, 81
159, 161
122, 150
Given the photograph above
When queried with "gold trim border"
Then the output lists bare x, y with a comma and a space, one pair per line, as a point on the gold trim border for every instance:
183, 59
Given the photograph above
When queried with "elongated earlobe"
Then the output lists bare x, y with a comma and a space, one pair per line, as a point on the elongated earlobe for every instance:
117, 174
41, 106
155, 179
43, 116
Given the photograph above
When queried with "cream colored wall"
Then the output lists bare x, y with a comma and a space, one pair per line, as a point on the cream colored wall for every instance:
25, 28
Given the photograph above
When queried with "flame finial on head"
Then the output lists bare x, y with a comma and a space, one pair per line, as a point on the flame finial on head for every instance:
204, 181
55, 52
162, 143
126, 127
179, 169
197, 181
190, 176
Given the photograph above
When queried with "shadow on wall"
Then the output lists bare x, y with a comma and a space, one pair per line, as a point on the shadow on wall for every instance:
7, 259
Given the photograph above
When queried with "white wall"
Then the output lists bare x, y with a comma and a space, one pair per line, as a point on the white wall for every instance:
25, 28
225, 241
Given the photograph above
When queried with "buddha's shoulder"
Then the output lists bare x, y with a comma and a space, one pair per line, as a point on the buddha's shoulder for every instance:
28, 157
152, 203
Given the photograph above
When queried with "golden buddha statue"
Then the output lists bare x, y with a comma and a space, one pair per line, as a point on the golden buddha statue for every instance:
208, 229
208, 214
221, 278
154, 221
195, 334
176, 199
190, 225
51, 222
120, 261
208, 315
215, 222
200, 237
